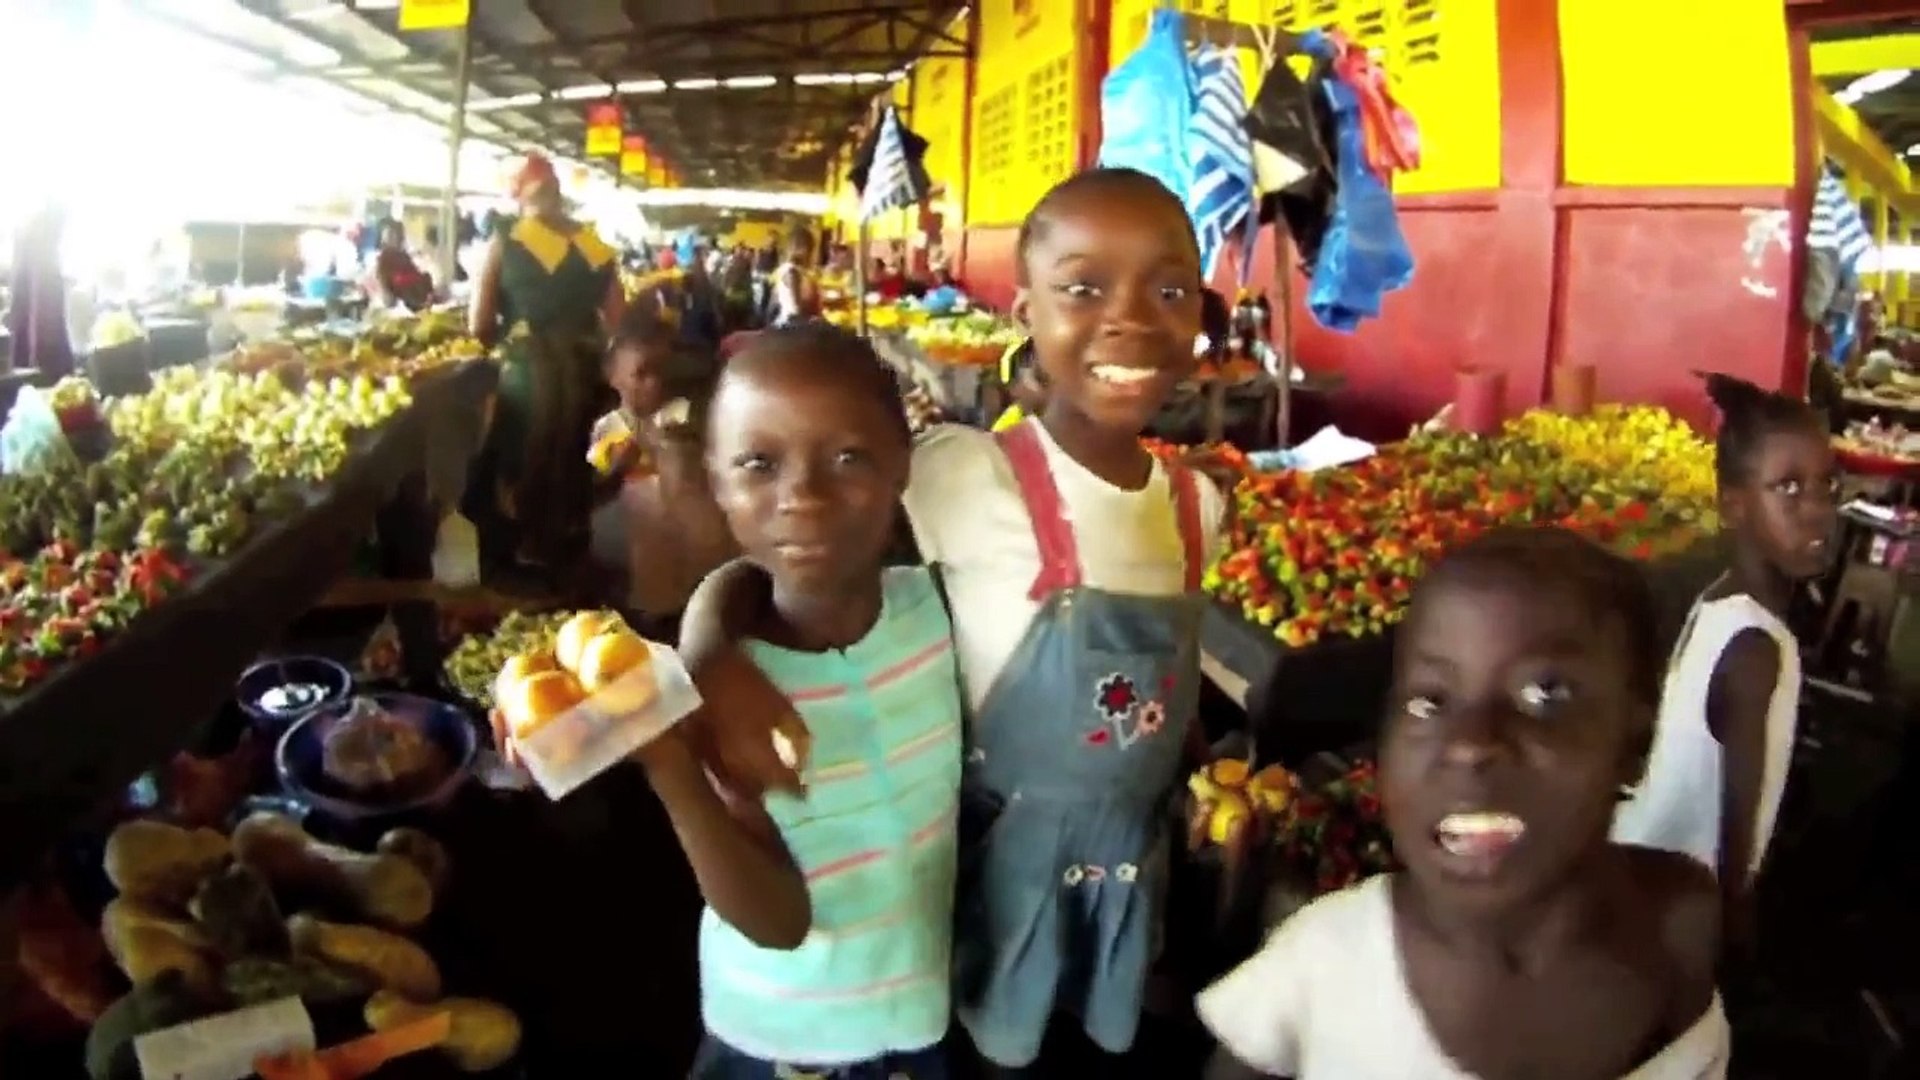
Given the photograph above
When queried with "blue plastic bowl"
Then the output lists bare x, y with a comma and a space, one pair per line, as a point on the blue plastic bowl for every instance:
274, 693
298, 758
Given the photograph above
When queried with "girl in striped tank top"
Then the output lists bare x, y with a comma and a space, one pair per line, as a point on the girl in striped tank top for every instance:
826, 943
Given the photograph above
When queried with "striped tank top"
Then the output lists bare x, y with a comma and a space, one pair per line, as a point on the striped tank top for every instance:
875, 837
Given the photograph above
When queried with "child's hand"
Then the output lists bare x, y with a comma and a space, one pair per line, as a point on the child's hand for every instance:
750, 733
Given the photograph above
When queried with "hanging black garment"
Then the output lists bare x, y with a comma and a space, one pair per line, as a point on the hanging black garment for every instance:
916, 151
1283, 115
1300, 114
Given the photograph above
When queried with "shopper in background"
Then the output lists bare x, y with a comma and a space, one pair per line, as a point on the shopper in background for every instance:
550, 292
397, 279
1731, 702
737, 292
796, 289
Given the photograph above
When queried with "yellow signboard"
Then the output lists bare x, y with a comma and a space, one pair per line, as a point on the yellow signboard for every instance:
434, 14
603, 129
1650, 110
633, 156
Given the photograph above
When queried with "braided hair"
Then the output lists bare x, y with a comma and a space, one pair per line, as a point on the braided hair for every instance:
1748, 417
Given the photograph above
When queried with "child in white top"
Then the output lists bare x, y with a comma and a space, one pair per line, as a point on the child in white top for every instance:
1728, 716
1518, 942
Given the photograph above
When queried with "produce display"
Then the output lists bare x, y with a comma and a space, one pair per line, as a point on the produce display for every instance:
476, 659
978, 339
1329, 835
1336, 552
205, 922
193, 466
403, 346
1240, 798
1873, 439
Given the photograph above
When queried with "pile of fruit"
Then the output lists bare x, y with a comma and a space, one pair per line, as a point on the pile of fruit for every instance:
206, 922
976, 340
195, 465
1330, 834
403, 346
476, 659
1640, 445
1334, 834
1336, 552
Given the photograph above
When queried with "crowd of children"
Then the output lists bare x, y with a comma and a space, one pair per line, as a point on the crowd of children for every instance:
951, 689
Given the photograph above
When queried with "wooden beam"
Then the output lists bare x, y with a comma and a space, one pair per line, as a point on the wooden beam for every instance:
1860, 56
1846, 138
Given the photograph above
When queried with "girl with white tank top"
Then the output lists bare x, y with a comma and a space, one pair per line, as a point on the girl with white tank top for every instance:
1777, 484
1678, 806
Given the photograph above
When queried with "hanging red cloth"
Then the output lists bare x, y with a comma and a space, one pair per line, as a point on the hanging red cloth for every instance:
1391, 137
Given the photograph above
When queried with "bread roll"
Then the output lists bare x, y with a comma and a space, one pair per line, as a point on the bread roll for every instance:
575, 632
616, 668
531, 703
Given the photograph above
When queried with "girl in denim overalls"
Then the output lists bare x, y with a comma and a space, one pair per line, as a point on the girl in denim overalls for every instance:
1071, 562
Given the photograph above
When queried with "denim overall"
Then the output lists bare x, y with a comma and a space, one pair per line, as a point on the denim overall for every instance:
1073, 757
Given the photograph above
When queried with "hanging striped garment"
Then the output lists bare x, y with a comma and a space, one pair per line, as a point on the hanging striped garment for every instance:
889, 181
1221, 197
1836, 224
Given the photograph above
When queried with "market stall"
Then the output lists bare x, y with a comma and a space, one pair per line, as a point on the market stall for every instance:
1322, 563
94, 723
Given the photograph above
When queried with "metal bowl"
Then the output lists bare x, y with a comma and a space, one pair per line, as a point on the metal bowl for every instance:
299, 757
274, 693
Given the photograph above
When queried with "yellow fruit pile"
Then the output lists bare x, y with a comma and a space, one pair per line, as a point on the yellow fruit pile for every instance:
1640, 446
1232, 794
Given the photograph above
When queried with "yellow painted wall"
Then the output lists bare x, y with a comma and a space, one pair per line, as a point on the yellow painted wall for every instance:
1445, 70
940, 117
1659, 93
1026, 109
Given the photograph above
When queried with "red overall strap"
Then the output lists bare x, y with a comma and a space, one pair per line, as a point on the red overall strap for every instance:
1059, 555
1186, 508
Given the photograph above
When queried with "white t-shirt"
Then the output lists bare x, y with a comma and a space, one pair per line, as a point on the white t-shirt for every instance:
1677, 805
1325, 999
968, 515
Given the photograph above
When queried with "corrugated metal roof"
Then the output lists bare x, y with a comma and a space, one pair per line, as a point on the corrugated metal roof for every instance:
710, 83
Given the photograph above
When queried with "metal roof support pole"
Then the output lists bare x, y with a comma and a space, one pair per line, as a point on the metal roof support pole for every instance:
456, 135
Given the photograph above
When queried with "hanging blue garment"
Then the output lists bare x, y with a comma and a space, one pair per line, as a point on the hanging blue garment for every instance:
1364, 256
1836, 224
1220, 200
1146, 107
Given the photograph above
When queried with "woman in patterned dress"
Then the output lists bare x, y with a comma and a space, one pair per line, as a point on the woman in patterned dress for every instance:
550, 289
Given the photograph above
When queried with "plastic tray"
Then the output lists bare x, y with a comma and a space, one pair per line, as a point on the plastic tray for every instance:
602, 731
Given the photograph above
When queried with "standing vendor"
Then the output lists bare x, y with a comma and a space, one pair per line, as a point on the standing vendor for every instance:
550, 289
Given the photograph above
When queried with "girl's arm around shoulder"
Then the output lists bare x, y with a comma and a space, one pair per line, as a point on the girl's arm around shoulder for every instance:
746, 874
743, 709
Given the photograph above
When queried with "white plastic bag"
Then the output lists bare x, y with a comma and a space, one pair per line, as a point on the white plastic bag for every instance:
31, 440
456, 553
